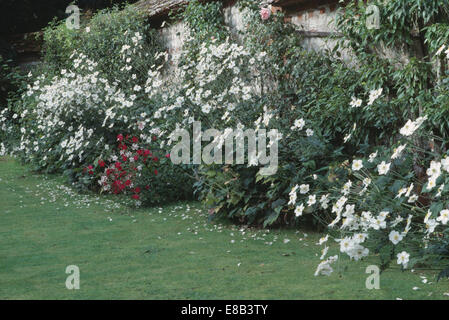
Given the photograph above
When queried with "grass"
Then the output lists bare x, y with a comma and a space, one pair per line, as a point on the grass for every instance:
163, 253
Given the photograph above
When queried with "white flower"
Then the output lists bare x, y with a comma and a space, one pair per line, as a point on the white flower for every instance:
401, 192
372, 156
373, 95
324, 268
360, 237
383, 215
323, 240
434, 170
293, 195
346, 188
413, 198
411, 126
445, 164
309, 132
355, 103
409, 189
324, 252
357, 252
367, 181
403, 258
444, 216
299, 124
395, 237
440, 190
397, 152
383, 168
293, 190
357, 165
431, 183
299, 209
408, 129
346, 244
304, 188
324, 201
431, 224
350, 209
206, 108
312, 200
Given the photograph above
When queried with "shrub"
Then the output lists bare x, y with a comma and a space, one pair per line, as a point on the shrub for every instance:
345, 160
94, 86
229, 81
389, 208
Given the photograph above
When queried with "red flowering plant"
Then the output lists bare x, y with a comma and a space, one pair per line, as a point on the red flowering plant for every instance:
133, 170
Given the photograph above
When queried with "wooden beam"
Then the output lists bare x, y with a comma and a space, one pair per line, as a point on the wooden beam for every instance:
159, 7
300, 5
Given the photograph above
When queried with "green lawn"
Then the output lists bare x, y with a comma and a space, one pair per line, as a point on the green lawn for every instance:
163, 253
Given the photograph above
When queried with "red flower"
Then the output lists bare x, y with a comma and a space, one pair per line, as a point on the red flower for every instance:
124, 158
101, 163
155, 171
137, 190
128, 183
120, 137
135, 196
90, 167
136, 158
147, 187
155, 159
146, 152
135, 139
118, 165
167, 155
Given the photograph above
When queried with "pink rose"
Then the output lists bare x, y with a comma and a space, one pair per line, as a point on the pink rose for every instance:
265, 13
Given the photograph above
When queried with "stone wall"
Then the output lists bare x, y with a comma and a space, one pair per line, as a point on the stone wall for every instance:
314, 19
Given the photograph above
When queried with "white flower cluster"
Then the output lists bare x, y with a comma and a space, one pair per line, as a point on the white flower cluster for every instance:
70, 114
311, 199
373, 96
361, 223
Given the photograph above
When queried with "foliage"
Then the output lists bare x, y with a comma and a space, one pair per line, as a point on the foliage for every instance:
92, 86
132, 168
337, 117
387, 208
11, 80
